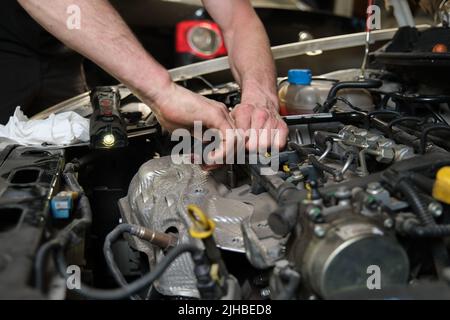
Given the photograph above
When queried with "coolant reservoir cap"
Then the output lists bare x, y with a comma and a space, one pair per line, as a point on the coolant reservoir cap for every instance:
301, 77
441, 190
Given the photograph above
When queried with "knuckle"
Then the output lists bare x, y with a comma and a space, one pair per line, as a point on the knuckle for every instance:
261, 115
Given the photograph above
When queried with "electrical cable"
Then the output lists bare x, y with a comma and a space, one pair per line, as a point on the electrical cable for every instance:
66, 235
109, 256
133, 287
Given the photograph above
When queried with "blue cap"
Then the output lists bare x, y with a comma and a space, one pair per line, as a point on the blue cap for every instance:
300, 77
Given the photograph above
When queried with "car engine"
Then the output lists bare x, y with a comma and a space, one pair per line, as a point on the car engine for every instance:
358, 208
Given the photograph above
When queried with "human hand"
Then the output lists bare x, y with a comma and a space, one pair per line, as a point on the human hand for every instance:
259, 111
177, 107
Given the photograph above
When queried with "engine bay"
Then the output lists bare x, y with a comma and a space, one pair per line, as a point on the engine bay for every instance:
358, 208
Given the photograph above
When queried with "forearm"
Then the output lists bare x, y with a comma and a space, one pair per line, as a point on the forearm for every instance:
105, 39
250, 56
249, 51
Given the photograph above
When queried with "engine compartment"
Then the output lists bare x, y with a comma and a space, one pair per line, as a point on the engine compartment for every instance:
359, 206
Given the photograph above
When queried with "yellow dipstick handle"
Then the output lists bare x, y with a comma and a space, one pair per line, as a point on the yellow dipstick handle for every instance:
441, 189
203, 227
309, 189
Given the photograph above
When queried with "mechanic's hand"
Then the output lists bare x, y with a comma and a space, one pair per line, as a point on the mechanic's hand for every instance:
178, 107
260, 110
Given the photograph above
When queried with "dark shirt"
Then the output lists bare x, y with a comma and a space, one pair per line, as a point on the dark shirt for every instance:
37, 70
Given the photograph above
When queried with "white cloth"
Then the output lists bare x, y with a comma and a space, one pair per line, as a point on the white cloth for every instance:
58, 129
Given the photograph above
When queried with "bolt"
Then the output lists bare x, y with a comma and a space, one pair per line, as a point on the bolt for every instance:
319, 231
389, 223
315, 214
374, 188
265, 293
435, 209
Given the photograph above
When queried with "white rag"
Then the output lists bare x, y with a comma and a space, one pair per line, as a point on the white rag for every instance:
58, 129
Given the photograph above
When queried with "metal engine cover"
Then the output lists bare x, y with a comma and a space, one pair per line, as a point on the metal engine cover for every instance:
157, 199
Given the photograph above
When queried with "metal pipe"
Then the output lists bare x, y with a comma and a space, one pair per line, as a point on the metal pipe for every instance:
348, 163
327, 151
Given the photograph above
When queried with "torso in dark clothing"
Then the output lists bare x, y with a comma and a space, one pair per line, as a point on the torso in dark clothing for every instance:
37, 70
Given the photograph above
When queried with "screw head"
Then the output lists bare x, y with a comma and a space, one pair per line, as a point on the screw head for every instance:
436, 209
374, 188
319, 231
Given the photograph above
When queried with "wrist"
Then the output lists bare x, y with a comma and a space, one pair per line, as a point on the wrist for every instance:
262, 95
150, 83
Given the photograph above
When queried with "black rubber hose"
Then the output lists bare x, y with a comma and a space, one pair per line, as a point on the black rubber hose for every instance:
321, 138
337, 175
435, 231
331, 99
394, 122
40, 262
134, 287
417, 203
429, 228
426, 132
377, 113
366, 84
109, 256
303, 152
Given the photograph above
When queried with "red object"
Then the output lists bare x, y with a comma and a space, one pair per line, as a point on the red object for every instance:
182, 44
440, 48
106, 107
